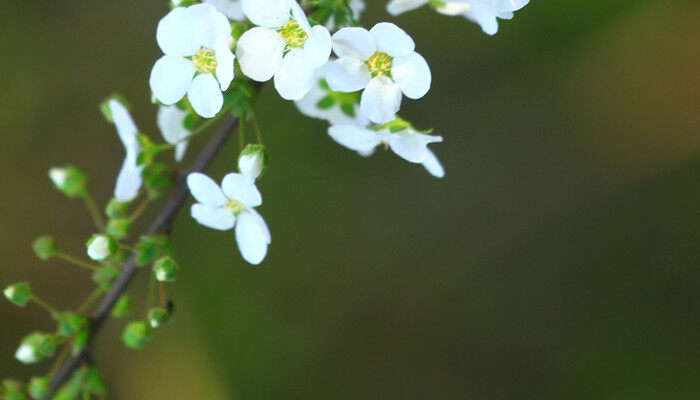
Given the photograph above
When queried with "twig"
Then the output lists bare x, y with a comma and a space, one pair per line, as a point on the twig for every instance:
161, 223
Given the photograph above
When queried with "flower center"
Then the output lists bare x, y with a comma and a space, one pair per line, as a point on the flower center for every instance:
235, 207
205, 60
379, 63
293, 34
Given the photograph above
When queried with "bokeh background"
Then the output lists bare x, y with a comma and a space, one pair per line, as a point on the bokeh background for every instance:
558, 259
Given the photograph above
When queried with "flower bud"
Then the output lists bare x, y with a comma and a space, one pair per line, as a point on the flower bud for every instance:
39, 387
13, 390
158, 317
119, 228
19, 293
35, 347
166, 269
123, 306
69, 180
70, 323
101, 247
136, 335
116, 209
45, 247
253, 161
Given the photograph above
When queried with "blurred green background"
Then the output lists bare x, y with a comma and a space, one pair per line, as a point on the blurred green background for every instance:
558, 259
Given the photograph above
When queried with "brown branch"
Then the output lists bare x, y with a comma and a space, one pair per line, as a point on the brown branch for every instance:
161, 223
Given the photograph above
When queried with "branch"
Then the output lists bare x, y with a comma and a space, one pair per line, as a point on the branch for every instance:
161, 223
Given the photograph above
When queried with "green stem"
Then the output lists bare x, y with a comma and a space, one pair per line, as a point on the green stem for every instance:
77, 262
201, 128
89, 300
139, 209
241, 136
46, 306
61, 357
258, 134
94, 212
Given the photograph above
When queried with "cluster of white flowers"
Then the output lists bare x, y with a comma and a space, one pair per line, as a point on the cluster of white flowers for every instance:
355, 79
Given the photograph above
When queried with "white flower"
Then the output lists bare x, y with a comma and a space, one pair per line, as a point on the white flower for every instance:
253, 161
407, 143
25, 354
229, 206
171, 122
341, 109
99, 247
356, 6
198, 60
231, 8
283, 46
381, 61
129, 180
58, 176
483, 12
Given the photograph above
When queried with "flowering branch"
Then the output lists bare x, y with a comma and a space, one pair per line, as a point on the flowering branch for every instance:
161, 223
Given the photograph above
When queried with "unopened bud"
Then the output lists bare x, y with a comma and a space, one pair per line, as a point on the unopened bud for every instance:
137, 334
119, 228
45, 247
123, 306
166, 269
39, 387
70, 323
158, 317
69, 180
19, 293
116, 209
101, 247
253, 161
35, 347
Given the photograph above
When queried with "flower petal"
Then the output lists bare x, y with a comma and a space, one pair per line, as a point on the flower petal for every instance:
412, 74
348, 74
357, 42
180, 150
251, 238
260, 53
241, 188
411, 145
213, 217
396, 7
392, 40
175, 34
381, 100
262, 224
129, 180
300, 17
231, 8
355, 138
486, 19
317, 48
433, 165
170, 121
224, 67
294, 78
210, 26
126, 128
205, 95
205, 190
267, 13
171, 78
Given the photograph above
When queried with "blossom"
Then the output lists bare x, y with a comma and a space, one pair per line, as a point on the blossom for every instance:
356, 8
407, 143
283, 46
171, 122
232, 205
335, 107
129, 180
231, 8
198, 60
483, 12
381, 61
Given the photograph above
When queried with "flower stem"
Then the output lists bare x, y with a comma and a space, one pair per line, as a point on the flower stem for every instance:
137, 212
89, 300
258, 134
94, 212
241, 136
61, 357
46, 306
77, 262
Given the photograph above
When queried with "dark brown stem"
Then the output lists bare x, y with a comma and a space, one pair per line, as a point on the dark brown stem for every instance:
161, 223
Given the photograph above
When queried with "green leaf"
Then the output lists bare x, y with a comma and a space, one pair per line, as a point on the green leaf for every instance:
158, 179
348, 109
326, 103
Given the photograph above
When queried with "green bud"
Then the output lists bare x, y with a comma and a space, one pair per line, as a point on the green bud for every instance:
105, 277
14, 390
94, 383
81, 339
101, 247
19, 293
149, 150
70, 323
137, 334
45, 247
166, 269
253, 161
119, 228
151, 247
158, 317
123, 306
39, 387
158, 179
35, 347
116, 209
69, 180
